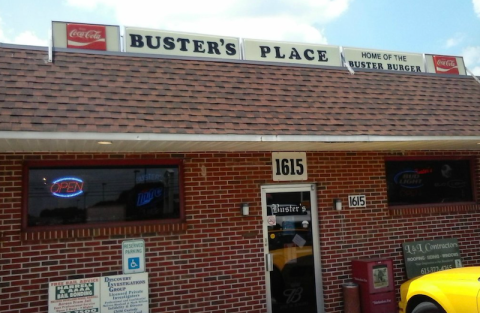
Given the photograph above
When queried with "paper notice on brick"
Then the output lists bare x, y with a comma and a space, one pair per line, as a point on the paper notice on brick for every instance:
125, 293
77, 295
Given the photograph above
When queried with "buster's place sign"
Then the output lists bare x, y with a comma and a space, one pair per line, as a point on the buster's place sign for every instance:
287, 52
138, 40
150, 41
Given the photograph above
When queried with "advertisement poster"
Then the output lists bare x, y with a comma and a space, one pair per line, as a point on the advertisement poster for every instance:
78, 295
424, 257
445, 64
109, 294
86, 36
124, 293
83, 36
380, 276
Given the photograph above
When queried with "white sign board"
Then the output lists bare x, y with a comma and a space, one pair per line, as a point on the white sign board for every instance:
139, 40
76, 295
133, 256
357, 201
287, 52
288, 166
109, 294
125, 293
384, 60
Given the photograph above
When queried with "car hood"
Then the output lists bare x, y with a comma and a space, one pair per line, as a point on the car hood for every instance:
455, 274
428, 284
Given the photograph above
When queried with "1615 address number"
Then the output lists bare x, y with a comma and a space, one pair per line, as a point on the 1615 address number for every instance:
289, 166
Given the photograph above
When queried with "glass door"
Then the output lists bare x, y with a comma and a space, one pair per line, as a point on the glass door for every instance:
292, 258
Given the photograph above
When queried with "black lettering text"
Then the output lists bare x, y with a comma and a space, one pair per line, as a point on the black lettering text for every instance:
198, 46
183, 42
264, 51
294, 54
322, 56
231, 49
136, 41
278, 55
307, 55
213, 47
169, 43
150, 43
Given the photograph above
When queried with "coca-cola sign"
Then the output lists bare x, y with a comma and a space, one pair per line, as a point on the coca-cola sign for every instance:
83, 36
445, 65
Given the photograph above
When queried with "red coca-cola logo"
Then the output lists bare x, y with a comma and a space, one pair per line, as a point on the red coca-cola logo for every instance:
445, 65
89, 34
83, 36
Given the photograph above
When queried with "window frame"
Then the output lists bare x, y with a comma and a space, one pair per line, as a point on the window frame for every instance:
472, 170
44, 164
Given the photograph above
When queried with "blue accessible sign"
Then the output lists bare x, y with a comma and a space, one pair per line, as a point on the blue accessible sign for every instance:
133, 263
133, 256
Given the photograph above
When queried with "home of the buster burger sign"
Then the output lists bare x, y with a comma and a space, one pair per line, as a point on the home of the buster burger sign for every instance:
189, 45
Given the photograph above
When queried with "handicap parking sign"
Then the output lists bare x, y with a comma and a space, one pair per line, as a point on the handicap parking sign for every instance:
133, 263
133, 256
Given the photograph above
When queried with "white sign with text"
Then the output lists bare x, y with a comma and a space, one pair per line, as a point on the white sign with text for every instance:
139, 40
74, 295
108, 294
384, 60
133, 256
288, 52
357, 201
288, 166
124, 293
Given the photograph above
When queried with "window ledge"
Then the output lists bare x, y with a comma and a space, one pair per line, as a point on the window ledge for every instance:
434, 209
103, 231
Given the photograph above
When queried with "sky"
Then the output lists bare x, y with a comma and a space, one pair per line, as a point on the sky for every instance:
445, 27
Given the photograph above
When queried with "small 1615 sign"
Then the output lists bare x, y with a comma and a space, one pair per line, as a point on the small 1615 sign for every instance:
289, 166
357, 201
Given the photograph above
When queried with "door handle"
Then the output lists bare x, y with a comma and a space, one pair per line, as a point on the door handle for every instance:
269, 262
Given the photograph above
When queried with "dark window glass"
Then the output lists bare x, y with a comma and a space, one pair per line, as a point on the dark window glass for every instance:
413, 182
100, 194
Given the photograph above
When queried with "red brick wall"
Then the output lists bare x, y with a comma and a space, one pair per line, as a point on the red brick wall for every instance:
214, 263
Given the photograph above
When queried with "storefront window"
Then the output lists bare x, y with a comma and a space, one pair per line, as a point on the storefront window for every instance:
85, 193
429, 181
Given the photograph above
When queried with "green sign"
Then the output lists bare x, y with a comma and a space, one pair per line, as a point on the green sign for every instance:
424, 257
74, 296
74, 291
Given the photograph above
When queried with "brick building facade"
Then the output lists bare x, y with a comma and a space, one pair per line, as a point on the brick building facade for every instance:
214, 259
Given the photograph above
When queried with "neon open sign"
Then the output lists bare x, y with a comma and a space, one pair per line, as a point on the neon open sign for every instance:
67, 187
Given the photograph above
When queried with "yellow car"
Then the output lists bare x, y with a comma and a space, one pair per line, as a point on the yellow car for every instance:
451, 291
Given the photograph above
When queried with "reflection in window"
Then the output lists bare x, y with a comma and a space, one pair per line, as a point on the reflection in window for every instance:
428, 181
99, 194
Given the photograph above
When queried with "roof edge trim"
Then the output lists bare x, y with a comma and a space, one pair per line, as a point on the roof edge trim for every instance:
19, 135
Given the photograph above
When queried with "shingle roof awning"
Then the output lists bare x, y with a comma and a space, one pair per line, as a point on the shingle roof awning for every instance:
167, 104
